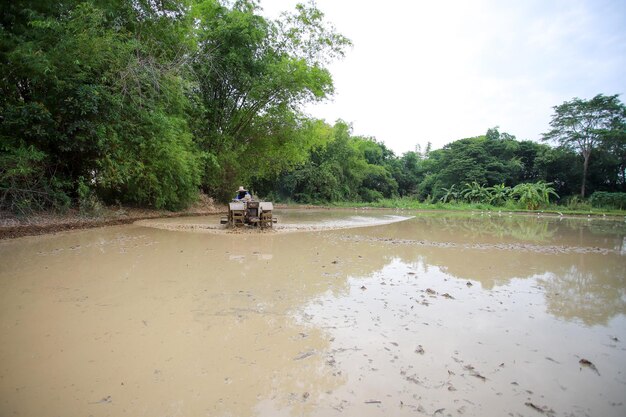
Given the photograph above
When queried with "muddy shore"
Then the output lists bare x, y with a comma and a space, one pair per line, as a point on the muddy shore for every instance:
12, 226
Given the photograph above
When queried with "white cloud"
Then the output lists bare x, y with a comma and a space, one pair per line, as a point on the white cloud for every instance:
440, 71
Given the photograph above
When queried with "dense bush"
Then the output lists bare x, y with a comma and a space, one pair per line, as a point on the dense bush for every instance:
608, 200
25, 183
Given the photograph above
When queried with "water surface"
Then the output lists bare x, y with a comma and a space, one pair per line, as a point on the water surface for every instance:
433, 315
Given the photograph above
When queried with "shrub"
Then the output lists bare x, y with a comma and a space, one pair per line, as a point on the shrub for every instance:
608, 200
370, 196
88, 202
26, 186
533, 195
159, 169
575, 202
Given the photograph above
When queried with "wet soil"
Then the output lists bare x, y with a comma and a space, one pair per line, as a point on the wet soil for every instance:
371, 314
12, 226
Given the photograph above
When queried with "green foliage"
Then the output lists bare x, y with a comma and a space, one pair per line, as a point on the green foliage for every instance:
529, 195
496, 158
450, 194
407, 171
575, 202
608, 200
252, 75
157, 166
498, 194
25, 185
88, 202
585, 125
99, 100
475, 193
146, 102
561, 167
532, 196
343, 168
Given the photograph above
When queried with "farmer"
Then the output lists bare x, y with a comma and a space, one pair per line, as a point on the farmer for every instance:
242, 194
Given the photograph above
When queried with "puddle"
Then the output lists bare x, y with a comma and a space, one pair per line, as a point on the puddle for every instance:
433, 315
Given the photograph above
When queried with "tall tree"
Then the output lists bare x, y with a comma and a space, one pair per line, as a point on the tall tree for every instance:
253, 75
487, 160
583, 125
93, 93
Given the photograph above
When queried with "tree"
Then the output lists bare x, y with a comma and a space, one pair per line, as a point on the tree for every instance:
491, 159
407, 171
343, 168
613, 161
93, 94
583, 125
251, 77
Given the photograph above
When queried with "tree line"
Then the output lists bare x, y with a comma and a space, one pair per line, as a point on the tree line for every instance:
147, 102
144, 102
491, 168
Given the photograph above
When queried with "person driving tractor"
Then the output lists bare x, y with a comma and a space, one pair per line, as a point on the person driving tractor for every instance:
242, 194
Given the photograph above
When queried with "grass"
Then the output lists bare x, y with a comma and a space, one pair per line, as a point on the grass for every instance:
412, 204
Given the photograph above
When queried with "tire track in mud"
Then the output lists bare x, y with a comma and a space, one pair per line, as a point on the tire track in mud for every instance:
523, 247
278, 228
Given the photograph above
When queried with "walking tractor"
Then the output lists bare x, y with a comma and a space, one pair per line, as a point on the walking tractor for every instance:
248, 212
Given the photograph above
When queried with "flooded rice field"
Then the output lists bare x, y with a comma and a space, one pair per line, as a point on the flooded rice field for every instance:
334, 313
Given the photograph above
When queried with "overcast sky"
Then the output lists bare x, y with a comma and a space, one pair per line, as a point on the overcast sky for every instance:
444, 70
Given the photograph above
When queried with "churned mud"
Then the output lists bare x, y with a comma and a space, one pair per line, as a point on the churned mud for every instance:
309, 221
362, 315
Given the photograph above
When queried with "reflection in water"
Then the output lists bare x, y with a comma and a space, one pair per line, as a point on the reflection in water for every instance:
493, 260
496, 225
417, 343
591, 290
140, 321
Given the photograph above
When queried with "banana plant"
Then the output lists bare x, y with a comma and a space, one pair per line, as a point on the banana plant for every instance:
498, 194
533, 195
475, 193
450, 194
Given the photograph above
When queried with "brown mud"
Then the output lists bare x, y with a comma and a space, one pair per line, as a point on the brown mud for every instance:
12, 226
436, 315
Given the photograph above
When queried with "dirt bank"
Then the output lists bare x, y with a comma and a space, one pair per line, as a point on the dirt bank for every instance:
12, 226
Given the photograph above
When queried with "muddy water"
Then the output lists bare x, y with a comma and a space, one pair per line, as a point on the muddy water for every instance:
434, 315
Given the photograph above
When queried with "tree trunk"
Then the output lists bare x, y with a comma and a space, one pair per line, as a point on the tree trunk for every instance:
585, 166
